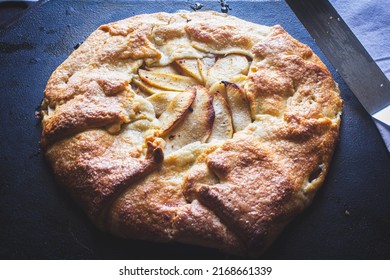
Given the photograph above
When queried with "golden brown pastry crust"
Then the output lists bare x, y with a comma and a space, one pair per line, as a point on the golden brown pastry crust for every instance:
161, 176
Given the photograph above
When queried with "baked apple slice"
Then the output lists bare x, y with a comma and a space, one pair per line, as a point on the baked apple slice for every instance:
196, 125
190, 66
163, 69
226, 68
145, 88
166, 81
204, 65
176, 110
161, 100
218, 87
223, 125
239, 106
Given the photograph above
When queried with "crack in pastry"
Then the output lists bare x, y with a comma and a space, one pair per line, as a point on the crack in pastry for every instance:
192, 127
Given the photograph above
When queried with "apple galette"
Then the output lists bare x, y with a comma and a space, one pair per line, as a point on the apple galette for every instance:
191, 127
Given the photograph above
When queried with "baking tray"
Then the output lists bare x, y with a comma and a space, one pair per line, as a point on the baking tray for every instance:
348, 219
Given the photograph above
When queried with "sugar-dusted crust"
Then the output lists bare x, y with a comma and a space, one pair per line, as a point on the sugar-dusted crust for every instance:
192, 127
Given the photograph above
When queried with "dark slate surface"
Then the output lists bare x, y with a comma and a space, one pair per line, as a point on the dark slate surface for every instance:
349, 218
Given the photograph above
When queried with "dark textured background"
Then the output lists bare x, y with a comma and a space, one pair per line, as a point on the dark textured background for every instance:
349, 218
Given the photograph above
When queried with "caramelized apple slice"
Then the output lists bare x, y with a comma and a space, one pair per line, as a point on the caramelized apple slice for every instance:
239, 106
226, 68
190, 66
196, 125
161, 100
176, 110
222, 126
166, 81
